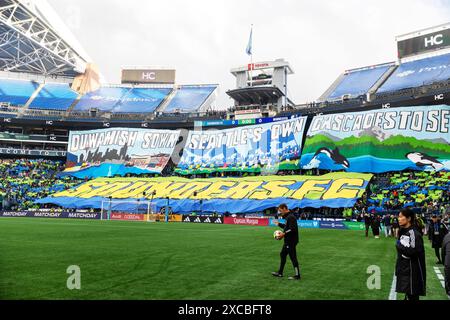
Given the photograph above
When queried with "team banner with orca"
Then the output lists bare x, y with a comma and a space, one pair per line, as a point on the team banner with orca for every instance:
257, 148
408, 138
118, 151
221, 195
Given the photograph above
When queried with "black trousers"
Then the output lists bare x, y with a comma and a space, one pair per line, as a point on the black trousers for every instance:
411, 297
291, 251
438, 253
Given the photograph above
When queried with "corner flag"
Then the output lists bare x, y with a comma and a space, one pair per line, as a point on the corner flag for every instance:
250, 43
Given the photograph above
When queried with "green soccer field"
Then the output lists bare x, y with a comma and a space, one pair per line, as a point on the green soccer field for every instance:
133, 260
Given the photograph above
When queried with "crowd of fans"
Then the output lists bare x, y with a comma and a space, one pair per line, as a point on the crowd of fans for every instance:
22, 181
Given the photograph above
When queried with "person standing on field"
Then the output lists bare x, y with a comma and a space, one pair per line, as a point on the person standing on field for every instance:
387, 225
410, 268
368, 223
290, 236
436, 233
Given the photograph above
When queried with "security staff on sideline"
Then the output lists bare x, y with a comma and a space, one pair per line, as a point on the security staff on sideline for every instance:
436, 233
290, 235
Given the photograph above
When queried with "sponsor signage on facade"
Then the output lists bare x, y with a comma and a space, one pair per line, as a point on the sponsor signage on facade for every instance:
23, 152
148, 76
423, 43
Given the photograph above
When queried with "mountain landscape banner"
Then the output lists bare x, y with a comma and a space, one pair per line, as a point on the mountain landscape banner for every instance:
221, 195
407, 138
257, 148
118, 151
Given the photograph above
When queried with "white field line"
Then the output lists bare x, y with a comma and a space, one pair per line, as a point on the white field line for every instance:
393, 294
440, 278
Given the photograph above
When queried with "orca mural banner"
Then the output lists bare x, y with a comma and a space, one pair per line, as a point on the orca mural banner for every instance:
220, 195
265, 147
118, 151
407, 138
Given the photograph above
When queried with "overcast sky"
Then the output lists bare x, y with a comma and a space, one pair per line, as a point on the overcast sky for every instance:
204, 39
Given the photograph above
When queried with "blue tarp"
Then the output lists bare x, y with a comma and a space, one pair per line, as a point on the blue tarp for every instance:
187, 205
358, 82
417, 73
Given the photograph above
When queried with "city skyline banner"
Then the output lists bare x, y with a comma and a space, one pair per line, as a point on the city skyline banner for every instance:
406, 138
221, 195
119, 151
266, 147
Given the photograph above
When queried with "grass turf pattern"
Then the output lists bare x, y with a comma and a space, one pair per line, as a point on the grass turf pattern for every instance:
135, 260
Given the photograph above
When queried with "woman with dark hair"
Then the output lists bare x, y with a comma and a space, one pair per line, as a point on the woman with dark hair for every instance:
410, 269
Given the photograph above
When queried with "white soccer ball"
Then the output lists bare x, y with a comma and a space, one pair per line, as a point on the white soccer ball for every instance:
277, 235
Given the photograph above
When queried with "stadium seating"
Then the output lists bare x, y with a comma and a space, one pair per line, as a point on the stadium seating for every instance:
54, 96
23, 181
189, 99
408, 189
123, 100
418, 73
16, 92
358, 82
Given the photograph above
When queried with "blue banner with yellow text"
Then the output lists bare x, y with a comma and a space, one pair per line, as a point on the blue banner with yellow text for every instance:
221, 195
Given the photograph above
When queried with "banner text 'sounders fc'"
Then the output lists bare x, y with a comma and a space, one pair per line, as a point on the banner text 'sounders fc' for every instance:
221, 195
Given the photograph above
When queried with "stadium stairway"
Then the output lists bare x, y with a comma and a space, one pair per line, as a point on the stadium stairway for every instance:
333, 87
73, 105
33, 96
372, 91
167, 100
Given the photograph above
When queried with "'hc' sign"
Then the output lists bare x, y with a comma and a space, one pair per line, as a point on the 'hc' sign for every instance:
434, 40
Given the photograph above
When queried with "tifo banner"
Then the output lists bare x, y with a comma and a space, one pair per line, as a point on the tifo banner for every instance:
269, 147
118, 151
49, 214
409, 138
221, 195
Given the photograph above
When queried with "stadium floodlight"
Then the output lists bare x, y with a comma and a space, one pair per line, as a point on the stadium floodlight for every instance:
129, 210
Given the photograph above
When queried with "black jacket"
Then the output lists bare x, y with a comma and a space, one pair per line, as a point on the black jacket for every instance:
290, 229
446, 258
436, 239
410, 268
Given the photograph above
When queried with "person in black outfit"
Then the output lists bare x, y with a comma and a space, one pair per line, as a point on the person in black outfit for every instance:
436, 233
395, 226
376, 225
410, 268
290, 236
368, 223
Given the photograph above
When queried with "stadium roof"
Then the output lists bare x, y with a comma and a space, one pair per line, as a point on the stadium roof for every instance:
256, 95
34, 40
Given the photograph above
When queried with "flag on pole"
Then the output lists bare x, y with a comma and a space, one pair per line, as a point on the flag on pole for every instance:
250, 43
